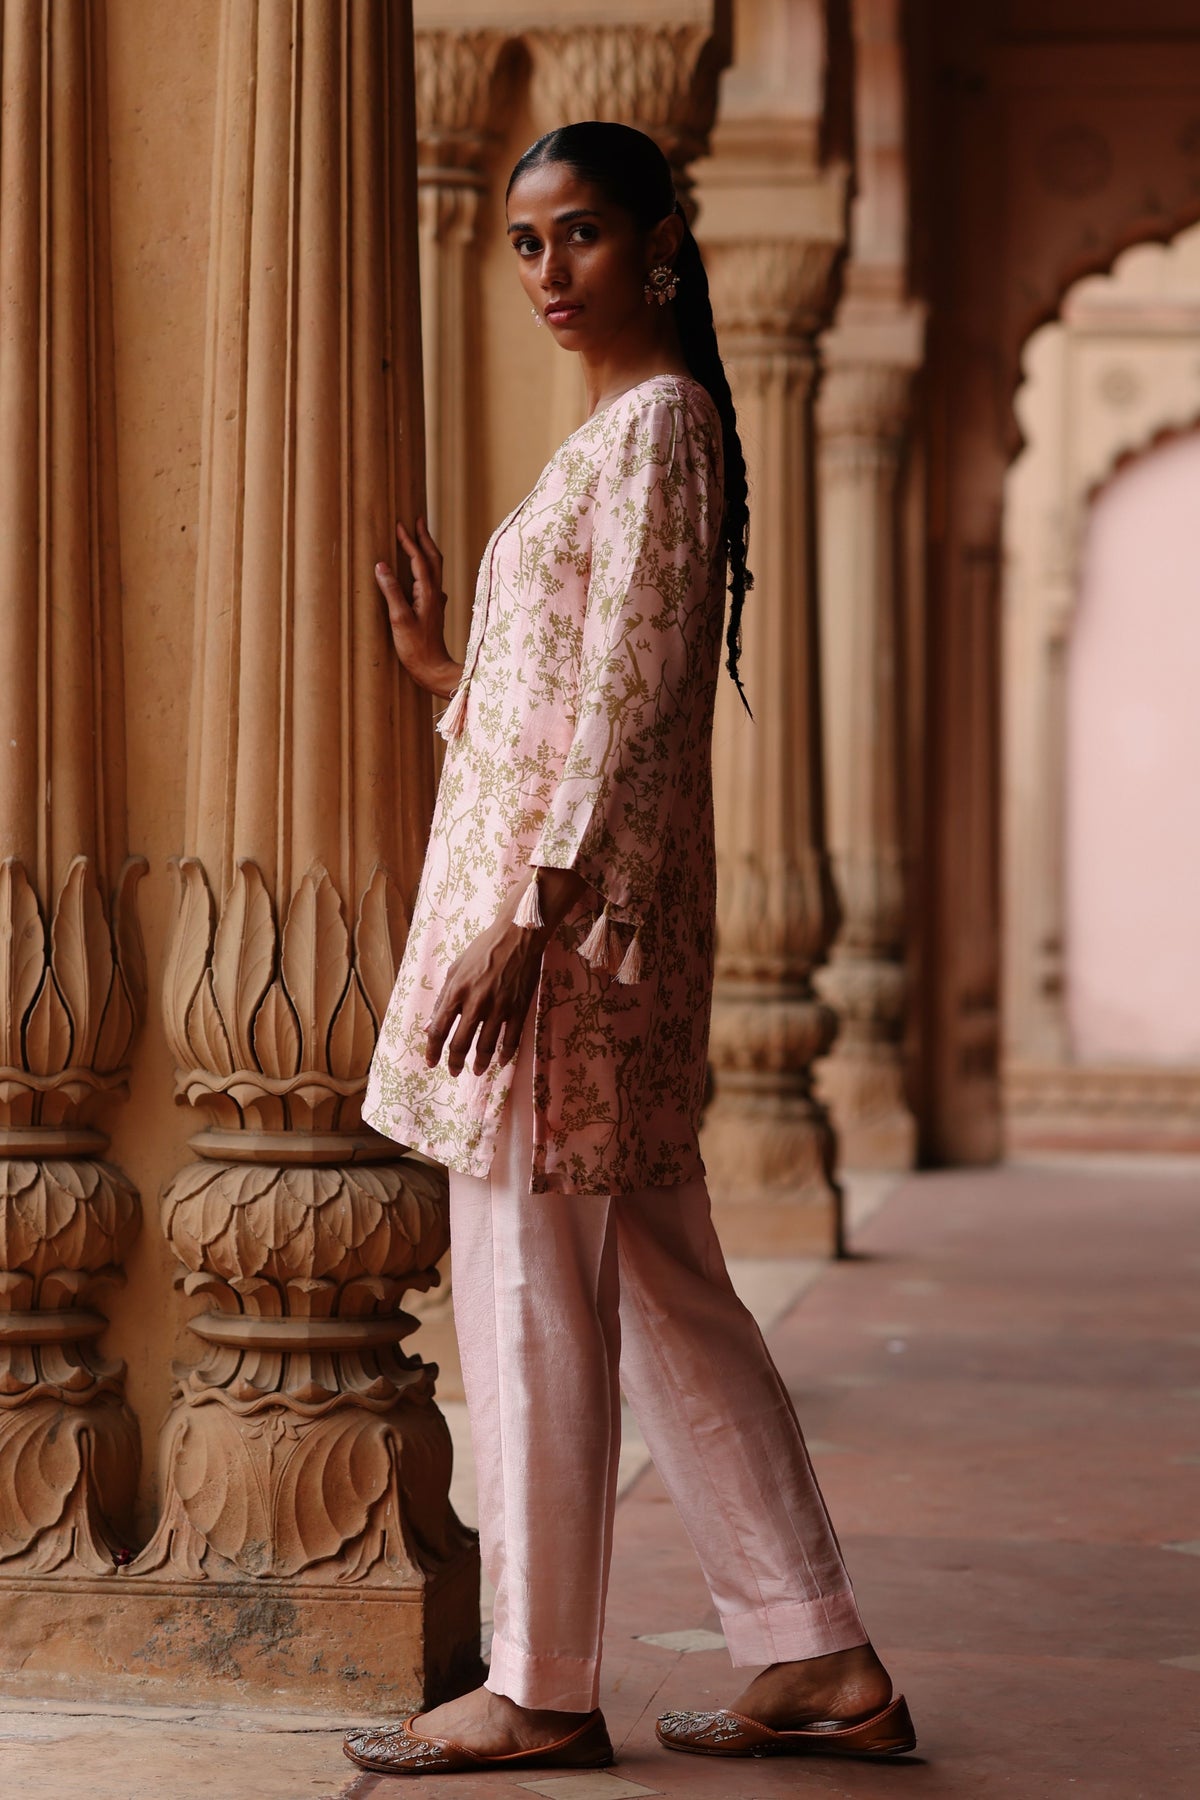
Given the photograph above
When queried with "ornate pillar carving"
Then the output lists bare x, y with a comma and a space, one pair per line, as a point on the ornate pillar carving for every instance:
304, 1460
863, 417
768, 1144
660, 77
72, 981
458, 94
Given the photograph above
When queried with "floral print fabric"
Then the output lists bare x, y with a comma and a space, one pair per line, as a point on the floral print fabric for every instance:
581, 738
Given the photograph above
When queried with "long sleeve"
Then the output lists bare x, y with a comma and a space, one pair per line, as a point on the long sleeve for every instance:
645, 663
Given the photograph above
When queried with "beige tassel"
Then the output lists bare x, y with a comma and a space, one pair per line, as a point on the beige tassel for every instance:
529, 912
630, 971
451, 722
596, 947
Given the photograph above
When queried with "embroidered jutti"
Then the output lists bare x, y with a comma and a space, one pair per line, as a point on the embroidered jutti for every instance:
581, 738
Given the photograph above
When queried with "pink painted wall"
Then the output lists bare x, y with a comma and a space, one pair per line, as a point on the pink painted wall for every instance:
1133, 769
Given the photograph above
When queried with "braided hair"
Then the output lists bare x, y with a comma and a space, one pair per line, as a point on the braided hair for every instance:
631, 171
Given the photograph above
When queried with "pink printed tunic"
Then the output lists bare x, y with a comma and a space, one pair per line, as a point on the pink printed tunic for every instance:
581, 738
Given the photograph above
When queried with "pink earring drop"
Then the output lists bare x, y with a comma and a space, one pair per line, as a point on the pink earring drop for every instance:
537, 317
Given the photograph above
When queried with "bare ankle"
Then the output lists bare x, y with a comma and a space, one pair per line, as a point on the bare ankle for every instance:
841, 1684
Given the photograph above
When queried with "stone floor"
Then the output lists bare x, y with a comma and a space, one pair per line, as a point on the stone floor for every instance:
1002, 1395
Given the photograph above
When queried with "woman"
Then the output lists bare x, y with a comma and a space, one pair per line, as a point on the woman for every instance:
547, 1037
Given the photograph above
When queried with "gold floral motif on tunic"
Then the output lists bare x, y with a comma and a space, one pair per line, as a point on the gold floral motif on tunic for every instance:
583, 740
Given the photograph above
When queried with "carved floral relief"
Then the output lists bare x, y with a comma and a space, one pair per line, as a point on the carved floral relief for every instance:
71, 994
304, 1445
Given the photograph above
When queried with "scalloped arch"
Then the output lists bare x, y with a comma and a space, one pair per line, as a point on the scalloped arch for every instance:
1078, 441
1168, 420
1123, 237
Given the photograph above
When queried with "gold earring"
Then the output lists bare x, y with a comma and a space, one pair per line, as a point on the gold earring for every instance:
662, 284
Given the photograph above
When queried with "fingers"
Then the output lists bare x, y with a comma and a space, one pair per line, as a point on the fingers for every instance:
510, 1042
389, 587
418, 561
401, 618
425, 537
424, 558
484, 1000
419, 546
460, 1044
485, 1043
492, 1032
438, 1028
449, 1008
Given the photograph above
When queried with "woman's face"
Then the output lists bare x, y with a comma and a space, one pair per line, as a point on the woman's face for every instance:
583, 261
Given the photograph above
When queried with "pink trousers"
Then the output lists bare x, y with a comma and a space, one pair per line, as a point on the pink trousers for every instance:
555, 1295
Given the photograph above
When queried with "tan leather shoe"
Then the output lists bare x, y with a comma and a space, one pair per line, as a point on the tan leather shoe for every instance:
399, 1750
886, 1733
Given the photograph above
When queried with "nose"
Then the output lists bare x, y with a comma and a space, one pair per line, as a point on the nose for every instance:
551, 273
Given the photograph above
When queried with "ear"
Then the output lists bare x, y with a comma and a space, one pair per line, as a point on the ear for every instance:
665, 240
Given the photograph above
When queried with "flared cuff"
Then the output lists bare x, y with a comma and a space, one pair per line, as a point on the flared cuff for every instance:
549, 1683
795, 1631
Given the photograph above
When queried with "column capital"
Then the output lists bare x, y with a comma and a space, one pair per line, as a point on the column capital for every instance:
864, 403
660, 77
770, 289
773, 229
457, 94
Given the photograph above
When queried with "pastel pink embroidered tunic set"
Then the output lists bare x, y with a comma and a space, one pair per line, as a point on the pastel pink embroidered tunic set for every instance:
580, 738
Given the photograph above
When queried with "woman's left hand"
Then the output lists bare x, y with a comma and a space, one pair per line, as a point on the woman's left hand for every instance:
488, 991
490, 988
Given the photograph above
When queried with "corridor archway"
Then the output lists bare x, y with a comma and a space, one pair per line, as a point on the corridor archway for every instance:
1101, 660
1054, 144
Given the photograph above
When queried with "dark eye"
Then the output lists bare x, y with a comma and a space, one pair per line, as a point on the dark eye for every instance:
585, 233
526, 246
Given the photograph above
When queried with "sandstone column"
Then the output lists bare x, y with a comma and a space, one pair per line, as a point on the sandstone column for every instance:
870, 661
772, 222
305, 1465
863, 417
767, 1141
72, 982
457, 100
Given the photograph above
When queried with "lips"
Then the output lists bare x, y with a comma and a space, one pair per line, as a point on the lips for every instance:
561, 312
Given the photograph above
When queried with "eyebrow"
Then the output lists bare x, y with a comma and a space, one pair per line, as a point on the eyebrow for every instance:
563, 218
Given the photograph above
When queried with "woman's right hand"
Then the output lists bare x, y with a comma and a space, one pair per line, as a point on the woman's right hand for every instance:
419, 625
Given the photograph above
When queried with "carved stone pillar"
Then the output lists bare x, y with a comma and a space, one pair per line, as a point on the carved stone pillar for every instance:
72, 982
457, 102
863, 415
305, 1466
767, 1139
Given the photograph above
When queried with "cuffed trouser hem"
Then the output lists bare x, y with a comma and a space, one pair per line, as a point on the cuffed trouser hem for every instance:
549, 1683
794, 1631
